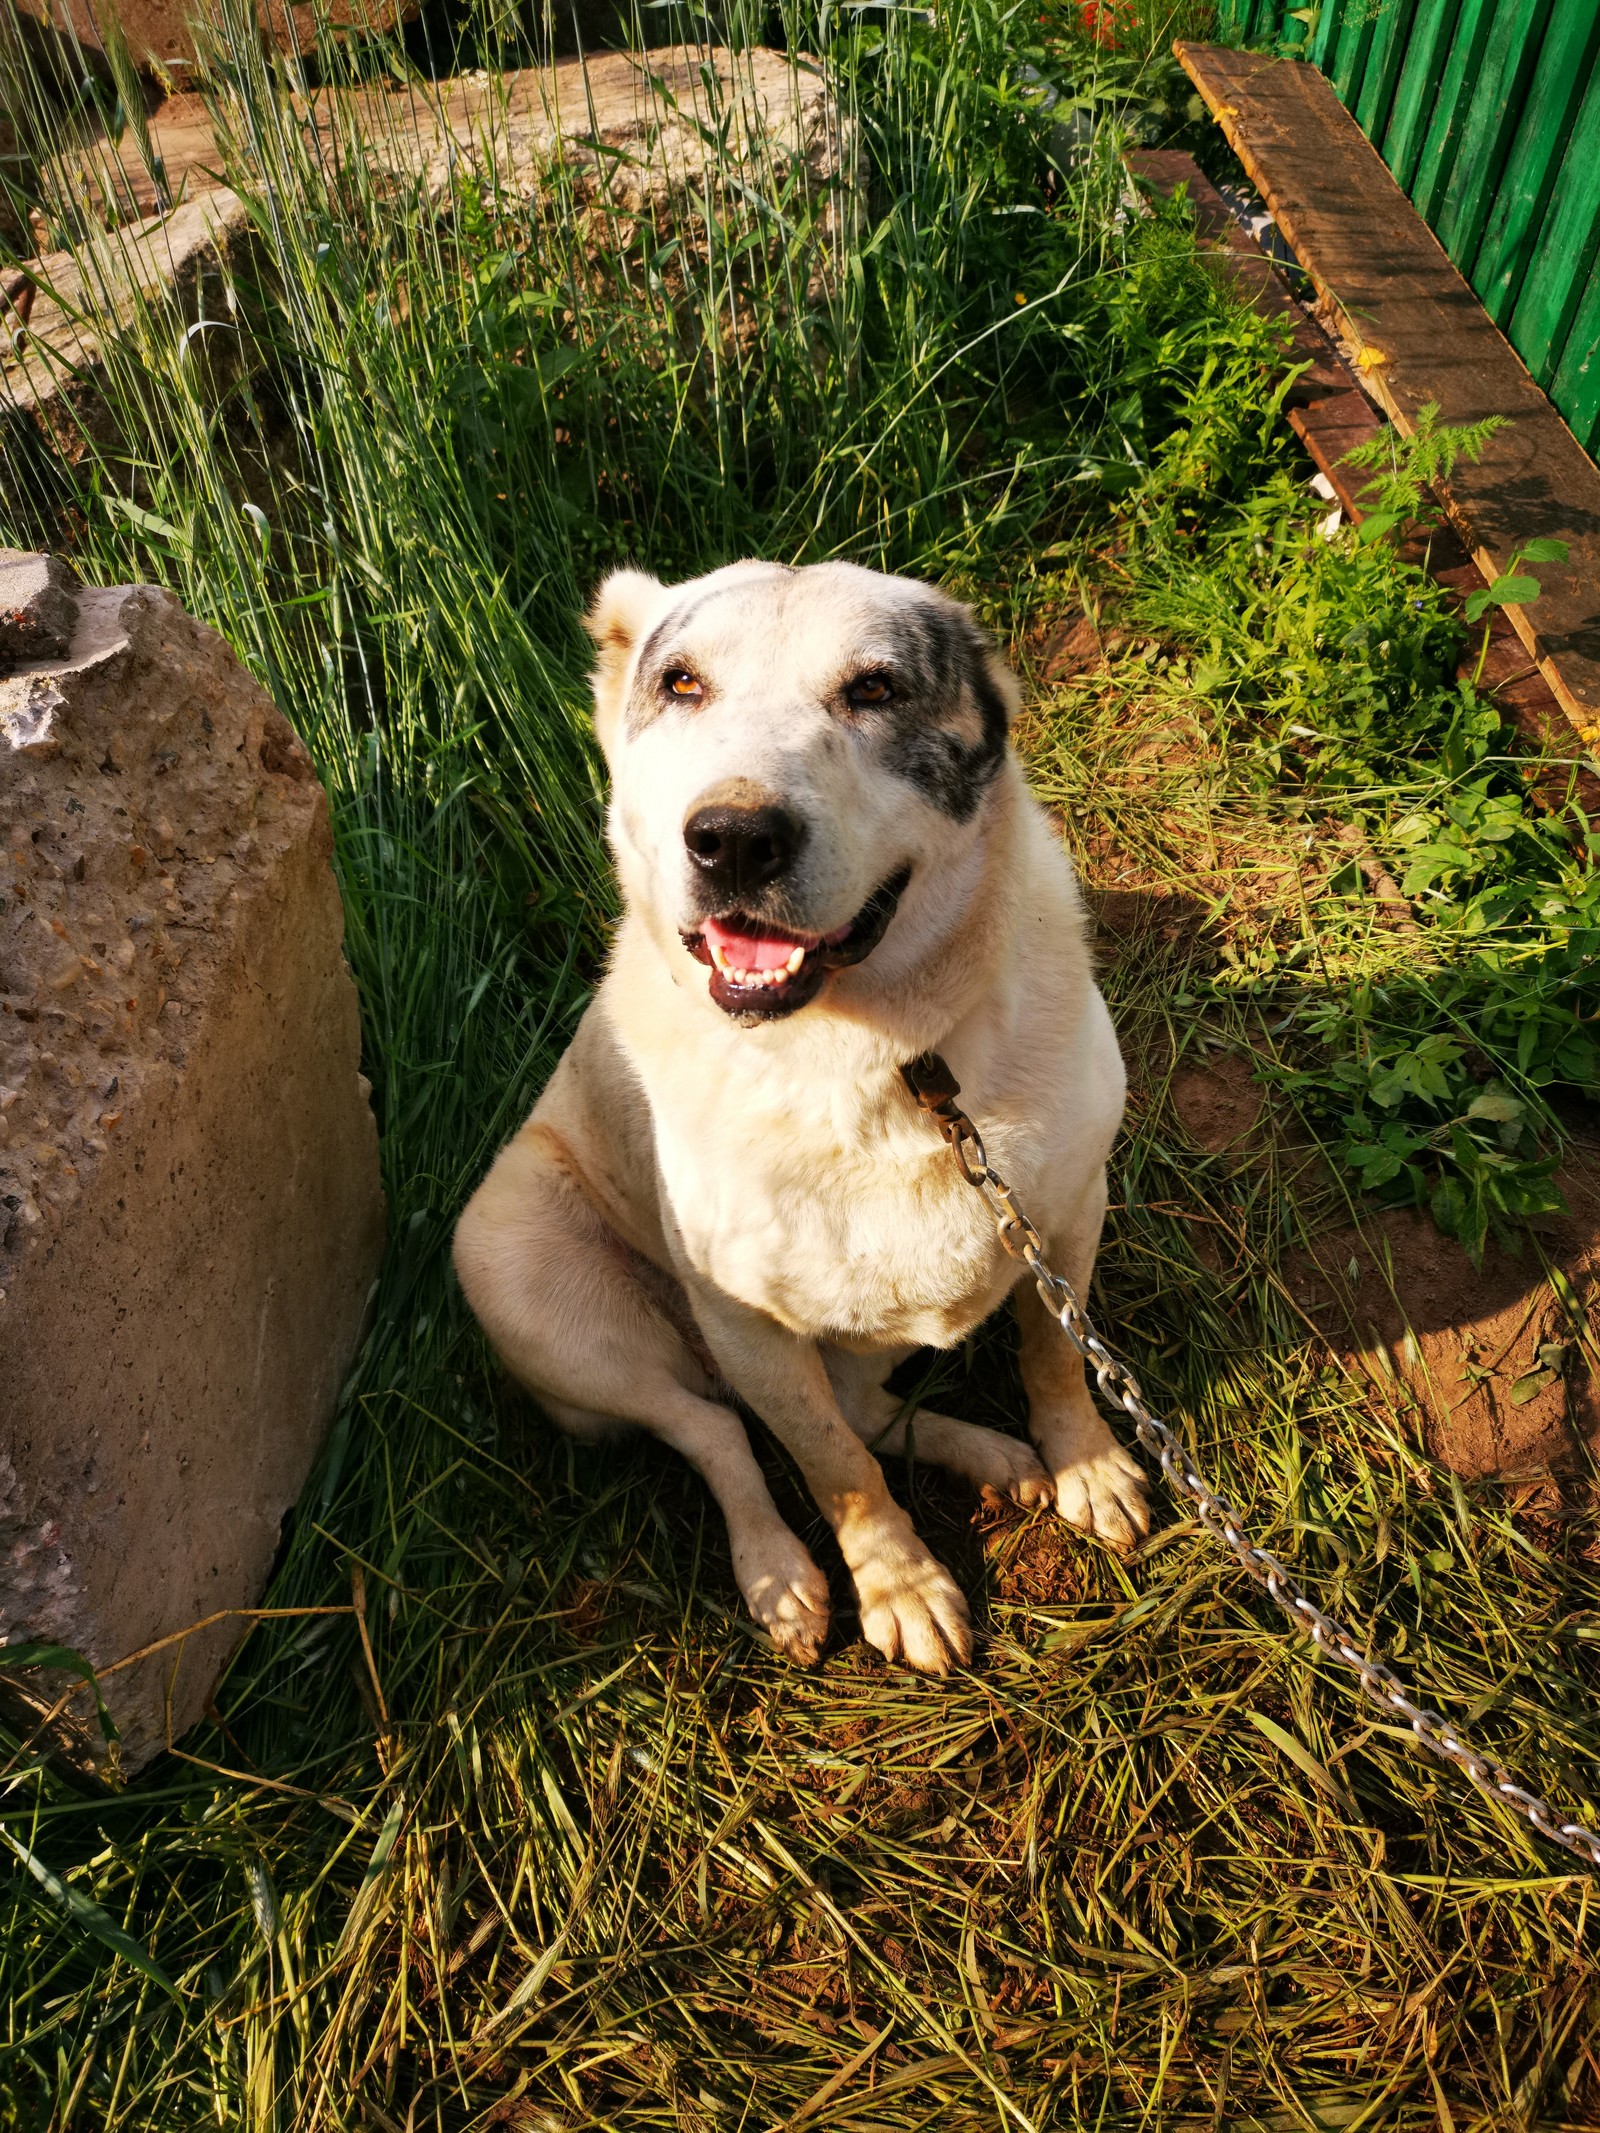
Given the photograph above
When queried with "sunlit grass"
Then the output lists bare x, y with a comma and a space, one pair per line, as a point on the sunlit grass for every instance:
573, 1849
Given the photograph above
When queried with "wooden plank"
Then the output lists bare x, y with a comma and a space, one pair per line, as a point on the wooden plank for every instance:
1327, 410
1462, 64
1330, 429
1565, 70
1165, 170
1322, 368
1553, 285
1417, 89
1422, 336
1495, 104
1518, 687
1331, 415
1391, 37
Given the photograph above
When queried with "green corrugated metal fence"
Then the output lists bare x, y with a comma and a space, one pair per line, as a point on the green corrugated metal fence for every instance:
1488, 113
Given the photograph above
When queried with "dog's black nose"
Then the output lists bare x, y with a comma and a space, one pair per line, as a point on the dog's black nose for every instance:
739, 849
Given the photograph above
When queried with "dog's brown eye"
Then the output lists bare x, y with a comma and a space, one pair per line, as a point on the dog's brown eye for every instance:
678, 681
869, 689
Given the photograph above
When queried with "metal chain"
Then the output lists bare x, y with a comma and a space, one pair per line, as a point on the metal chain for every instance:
936, 1089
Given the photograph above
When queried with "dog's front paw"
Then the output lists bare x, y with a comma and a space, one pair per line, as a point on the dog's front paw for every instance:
787, 1594
912, 1609
1103, 1494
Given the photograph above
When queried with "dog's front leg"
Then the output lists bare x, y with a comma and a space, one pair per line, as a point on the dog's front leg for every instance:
911, 1608
1099, 1486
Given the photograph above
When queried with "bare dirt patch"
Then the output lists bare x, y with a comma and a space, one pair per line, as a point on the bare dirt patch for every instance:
1077, 645
1218, 1101
1146, 923
1493, 1355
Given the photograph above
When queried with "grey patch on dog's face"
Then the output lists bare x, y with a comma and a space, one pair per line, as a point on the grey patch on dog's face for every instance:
947, 720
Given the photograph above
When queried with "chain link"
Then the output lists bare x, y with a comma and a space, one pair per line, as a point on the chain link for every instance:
935, 1089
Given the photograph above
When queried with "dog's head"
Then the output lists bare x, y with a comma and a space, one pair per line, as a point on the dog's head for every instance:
794, 755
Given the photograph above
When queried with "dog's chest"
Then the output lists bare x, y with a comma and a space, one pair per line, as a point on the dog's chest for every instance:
869, 1235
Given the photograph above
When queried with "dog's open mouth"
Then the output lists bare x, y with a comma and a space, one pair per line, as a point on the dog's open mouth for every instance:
759, 971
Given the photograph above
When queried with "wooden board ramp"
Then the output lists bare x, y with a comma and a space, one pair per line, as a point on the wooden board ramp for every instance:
1331, 414
1421, 336
1326, 408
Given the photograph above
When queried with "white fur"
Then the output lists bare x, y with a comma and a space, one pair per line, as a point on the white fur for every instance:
696, 1205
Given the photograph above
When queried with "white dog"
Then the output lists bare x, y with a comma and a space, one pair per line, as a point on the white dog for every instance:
830, 863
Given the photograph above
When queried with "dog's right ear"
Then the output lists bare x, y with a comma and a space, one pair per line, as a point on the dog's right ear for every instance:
623, 610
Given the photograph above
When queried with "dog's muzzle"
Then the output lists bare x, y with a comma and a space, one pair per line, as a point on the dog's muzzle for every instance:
760, 972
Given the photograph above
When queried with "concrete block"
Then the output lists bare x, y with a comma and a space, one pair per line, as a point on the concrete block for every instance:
190, 1212
643, 135
182, 264
160, 37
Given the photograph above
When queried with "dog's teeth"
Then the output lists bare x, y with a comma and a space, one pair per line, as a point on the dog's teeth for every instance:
779, 976
719, 955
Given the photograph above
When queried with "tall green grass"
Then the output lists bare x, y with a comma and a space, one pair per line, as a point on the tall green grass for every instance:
571, 1848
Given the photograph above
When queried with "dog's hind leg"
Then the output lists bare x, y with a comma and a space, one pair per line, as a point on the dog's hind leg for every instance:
555, 1290
984, 1457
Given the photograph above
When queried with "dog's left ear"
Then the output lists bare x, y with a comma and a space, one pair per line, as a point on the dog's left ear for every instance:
623, 610
992, 688
1002, 683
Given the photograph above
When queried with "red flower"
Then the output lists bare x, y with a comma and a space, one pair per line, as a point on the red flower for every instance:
1099, 19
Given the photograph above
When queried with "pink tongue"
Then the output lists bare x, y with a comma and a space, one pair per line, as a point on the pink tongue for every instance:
749, 951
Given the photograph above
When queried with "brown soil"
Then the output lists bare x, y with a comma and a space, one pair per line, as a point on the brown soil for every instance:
1039, 1563
1078, 645
1406, 1307
1218, 1101
1136, 922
